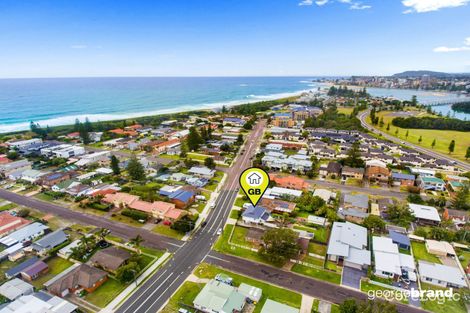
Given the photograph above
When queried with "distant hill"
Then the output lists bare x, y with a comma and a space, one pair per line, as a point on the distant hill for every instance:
430, 73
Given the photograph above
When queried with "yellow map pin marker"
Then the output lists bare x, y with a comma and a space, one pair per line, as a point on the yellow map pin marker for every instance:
254, 182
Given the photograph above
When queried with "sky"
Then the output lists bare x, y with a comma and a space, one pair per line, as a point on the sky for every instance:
232, 37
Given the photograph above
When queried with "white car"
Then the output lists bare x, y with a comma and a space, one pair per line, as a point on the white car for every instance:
219, 231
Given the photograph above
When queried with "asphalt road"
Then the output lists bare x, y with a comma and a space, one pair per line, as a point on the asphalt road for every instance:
362, 117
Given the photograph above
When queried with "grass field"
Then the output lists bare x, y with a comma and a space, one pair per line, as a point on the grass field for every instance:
319, 274
185, 294
317, 248
269, 291
105, 293
345, 110
443, 137
446, 307
420, 253
167, 231
56, 266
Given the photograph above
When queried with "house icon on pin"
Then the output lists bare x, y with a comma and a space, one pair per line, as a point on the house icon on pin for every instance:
254, 179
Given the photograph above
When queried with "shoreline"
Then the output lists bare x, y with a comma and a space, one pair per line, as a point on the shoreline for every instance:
107, 117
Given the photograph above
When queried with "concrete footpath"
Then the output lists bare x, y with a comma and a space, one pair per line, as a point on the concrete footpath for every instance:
113, 305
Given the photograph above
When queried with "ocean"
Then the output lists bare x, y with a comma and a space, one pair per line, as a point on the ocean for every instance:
59, 101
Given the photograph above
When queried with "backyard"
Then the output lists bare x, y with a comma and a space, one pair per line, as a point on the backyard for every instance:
166, 230
56, 266
420, 253
105, 293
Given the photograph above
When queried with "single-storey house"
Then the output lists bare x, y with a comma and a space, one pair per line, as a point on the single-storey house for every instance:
255, 215
50, 241
25, 233
348, 245
271, 306
9, 223
202, 172
39, 302
440, 248
431, 183
110, 259
34, 271
352, 172
15, 288
217, 296
425, 214
389, 263
400, 239
441, 275
325, 194
400, 179
78, 276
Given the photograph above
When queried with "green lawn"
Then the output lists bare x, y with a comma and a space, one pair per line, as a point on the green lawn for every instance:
126, 220
320, 233
317, 273
443, 137
345, 110
317, 248
56, 266
367, 286
447, 307
240, 202
269, 291
150, 251
464, 257
239, 236
185, 294
167, 231
234, 214
222, 246
315, 261
8, 206
105, 293
420, 253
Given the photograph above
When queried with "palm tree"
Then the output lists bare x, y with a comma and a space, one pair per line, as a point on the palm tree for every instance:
136, 241
101, 234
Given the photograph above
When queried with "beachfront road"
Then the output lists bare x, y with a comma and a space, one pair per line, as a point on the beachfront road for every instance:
363, 117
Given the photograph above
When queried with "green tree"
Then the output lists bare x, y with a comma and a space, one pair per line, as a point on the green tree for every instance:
135, 169
115, 165
280, 245
381, 123
420, 139
194, 139
388, 126
13, 155
451, 146
128, 272
433, 144
84, 135
414, 101
461, 199
354, 158
348, 306
467, 154
374, 222
184, 224
209, 162
407, 133
396, 132
136, 241
400, 215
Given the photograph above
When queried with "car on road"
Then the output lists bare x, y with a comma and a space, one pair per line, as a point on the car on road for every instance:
219, 231
203, 224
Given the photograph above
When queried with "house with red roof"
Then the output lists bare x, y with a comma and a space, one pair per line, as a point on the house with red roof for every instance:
9, 223
119, 199
291, 182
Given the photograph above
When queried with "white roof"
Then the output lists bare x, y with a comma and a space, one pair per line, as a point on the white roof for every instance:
384, 244
358, 256
387, 262
41, 303
104, 170
376, 162
442, 246
23, 233
441, 272
407, 261
14, 288
344, 237
201, 170
325, 194
424, 212
279, 191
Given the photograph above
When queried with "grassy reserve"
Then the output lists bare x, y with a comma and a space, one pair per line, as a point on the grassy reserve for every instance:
442, 137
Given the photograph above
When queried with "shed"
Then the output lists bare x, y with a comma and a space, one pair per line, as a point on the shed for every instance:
252, 293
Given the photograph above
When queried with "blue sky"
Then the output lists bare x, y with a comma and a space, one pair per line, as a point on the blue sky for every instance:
232, 38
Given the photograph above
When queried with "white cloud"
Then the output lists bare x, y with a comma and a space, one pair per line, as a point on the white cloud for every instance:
359, 6
465, 47
306, 2
78, 46
421, 6
353, 5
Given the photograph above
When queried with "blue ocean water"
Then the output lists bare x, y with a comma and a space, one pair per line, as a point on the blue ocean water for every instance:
60, 101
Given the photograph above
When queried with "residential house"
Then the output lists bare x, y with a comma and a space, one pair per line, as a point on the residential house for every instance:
7, 169
39, 302
23, 144
282, 162
10, 223
431, 183
255, 215
55, 178
25, 233
332, 170
277, 206
49, 242
459, 218
219, 297
76, 277
425, 214
357, 201
202, 172
291, 182
182, 198
278, 192
439, 248
252, 293
283, 120
234, 121
400, 239
32, 176
384, 204
348, 245
33, 271
400, 179
100, 158
110, 259
16, 271
441, 275
324, 194
422, 172
377, 174
120, 199
15, 288
389, 263
351, 172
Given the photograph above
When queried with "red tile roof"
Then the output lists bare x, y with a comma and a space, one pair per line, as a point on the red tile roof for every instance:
9, 222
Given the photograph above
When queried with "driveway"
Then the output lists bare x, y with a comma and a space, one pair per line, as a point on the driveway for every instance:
352, 277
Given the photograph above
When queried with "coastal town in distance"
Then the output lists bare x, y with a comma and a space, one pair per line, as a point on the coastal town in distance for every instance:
137, 177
